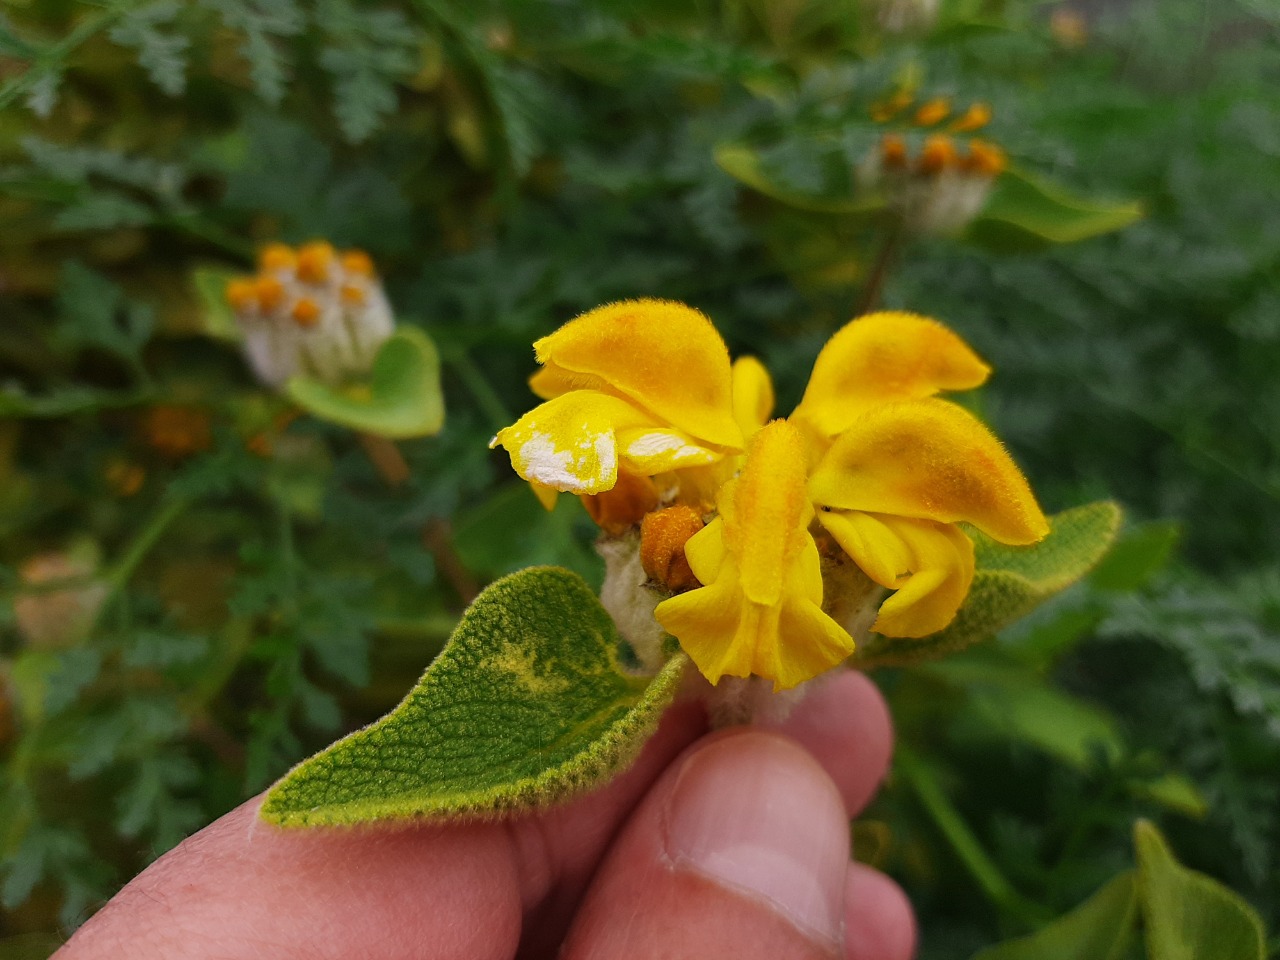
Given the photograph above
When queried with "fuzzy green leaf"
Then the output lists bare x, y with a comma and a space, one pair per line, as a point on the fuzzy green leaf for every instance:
1188, 915
1009, 583
747, 166
402, 398
1101, 928
526, 705
1024, 213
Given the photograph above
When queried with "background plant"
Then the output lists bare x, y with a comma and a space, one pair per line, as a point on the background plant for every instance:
198, 590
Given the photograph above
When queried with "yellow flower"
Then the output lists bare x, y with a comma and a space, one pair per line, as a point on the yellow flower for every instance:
761, 611
872, 465
642, 386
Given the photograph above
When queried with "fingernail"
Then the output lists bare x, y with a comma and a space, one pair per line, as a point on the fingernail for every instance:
755, 813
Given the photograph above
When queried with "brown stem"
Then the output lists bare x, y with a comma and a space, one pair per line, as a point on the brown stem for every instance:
870, 296
438, 537
386, 459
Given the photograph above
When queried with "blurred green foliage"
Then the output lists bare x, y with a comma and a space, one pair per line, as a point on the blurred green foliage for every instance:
197, 590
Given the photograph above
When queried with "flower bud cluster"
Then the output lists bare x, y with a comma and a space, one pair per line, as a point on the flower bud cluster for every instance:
941, 184
311, 311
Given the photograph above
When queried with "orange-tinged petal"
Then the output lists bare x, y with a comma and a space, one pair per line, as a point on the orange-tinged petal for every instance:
882, 357
570, 443
932, 460
766, 510
760, 611
931, 587
753, 396
664, 356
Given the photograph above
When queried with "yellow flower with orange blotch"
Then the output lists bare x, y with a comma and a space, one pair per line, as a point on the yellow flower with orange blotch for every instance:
873, 470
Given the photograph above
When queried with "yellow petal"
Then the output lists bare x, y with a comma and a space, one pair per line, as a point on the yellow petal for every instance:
753, 397
928, 459
570, 443
760, 611
547, 496
932, 585
873, 546
766, 510
882, 357
651, 450
664, 356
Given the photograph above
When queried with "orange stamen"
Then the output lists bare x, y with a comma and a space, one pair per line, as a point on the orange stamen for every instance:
352, 293
893, 151
663, 535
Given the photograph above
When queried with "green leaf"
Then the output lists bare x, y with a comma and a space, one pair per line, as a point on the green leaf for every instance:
402, 398
1138, 556
525, 705
1188, 915
1023, 212
1009, 583
1101, 928
1173, 791
745, 165
217, 319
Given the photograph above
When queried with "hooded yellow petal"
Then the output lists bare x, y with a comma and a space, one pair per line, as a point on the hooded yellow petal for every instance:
760, 609
753, 396
570, 443
932, 460
937, 573
882, 357
663, 356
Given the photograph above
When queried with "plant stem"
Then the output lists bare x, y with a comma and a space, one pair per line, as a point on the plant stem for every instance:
169, 510
438, 538
869, 298
386, 458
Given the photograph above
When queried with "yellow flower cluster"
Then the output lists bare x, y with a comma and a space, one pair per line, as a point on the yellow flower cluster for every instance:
871, 469
311, 310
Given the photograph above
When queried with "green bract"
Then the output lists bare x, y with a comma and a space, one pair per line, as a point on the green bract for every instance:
403, 397
527, 704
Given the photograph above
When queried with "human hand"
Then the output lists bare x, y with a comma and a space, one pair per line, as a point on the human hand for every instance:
725, 845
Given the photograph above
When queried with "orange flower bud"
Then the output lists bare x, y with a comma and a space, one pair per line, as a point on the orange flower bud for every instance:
270, 293
276, 256
242, 294
893, 151
619, 509
306, 312
933, 111
985, 159
663, 535
357, 262
314, 261
975, 118
938, 153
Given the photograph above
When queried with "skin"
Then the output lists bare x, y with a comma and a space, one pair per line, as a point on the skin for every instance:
712, 845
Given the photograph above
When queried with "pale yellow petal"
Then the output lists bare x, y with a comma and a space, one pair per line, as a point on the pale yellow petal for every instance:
933, 460
753, 396
873, 546
705, 551
664, 356
883, 357
651, 450
941, 574
812, 643
547, 496
570, 443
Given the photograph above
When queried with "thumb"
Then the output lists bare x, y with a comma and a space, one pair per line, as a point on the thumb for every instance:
740, 851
